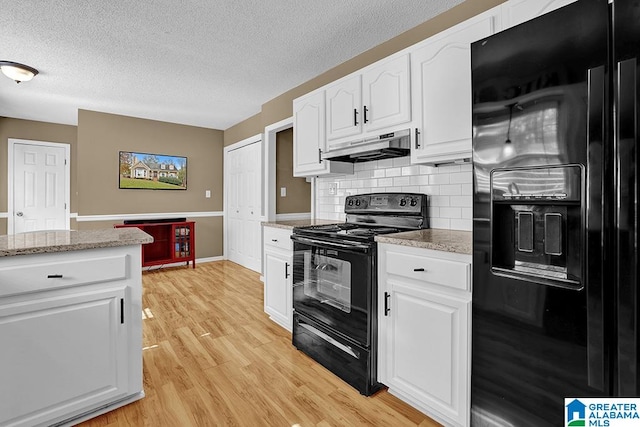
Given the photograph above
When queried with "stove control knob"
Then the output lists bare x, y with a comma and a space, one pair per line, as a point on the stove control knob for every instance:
358, 202
414, 202
350, 202
403, 202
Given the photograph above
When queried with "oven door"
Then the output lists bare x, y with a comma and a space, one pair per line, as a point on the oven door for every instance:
333, 285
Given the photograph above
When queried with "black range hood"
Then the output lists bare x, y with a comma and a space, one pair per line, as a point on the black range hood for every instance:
388, 145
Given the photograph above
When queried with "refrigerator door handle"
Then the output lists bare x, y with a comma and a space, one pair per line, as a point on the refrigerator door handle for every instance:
593, 230
626, 228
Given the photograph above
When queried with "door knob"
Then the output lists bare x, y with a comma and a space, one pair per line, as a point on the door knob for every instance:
19, 214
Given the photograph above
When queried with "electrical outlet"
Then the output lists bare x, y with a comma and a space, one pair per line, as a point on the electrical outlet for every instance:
333, 188
283, 191
207, 194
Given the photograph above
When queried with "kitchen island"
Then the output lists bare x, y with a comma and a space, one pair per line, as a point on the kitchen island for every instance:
70, 324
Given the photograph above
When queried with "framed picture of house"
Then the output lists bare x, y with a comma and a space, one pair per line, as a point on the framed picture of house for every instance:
148, 171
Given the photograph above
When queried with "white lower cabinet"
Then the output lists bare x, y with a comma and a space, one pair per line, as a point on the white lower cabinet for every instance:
73, 344
424, 330
278, 269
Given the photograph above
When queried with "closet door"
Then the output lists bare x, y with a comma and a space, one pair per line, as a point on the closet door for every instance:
244, 205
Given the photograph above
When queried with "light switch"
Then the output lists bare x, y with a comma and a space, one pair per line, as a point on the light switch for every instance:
207, 194
283, 191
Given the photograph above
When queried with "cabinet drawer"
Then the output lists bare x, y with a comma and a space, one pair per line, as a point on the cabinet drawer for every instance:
452, 274
277, 237
60, 273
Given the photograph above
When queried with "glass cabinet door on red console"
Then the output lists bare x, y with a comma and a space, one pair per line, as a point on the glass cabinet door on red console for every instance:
173, 242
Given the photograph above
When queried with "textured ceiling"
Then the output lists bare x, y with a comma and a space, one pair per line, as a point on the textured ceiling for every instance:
202, 63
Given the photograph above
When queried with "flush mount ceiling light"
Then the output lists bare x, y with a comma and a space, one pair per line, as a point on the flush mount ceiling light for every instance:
17, 72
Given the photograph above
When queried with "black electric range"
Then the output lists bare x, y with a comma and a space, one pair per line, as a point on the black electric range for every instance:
335, 283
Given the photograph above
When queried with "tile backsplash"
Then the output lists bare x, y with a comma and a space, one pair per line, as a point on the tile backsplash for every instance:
449, 189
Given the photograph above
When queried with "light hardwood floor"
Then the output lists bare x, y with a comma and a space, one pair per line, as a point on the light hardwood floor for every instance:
212, 357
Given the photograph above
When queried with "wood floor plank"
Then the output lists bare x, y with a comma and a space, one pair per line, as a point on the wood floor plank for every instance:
212, 357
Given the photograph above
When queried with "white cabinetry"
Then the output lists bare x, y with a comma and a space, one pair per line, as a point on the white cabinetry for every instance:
278, 268
518, 11
309, 138
375, 98
424, 300
441, 84
71, 334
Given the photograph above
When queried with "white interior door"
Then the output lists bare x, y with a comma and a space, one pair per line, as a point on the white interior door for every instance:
243, 175
38, 186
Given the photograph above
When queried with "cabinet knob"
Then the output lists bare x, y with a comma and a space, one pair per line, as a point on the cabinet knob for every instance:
418, 269
19, 214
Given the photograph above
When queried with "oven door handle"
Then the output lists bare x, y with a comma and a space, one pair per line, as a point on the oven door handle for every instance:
347, 349
355, 247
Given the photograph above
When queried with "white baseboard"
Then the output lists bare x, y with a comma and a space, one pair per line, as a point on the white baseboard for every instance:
183, 263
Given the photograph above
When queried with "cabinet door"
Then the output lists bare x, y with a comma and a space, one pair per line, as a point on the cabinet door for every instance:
386, 94
278, 301
426, 349
441, 73
63, 352
309, 134
344, 109
516, 12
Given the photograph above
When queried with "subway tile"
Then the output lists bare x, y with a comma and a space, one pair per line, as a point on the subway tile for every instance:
410, 170
439, 179
462, 224
369, 165
385, 163
448, 212
419, 180
440, 201
379, 173
433, 211
364, 174
467, 189
401, 161
467, 167
433, 190
460, 201
460, 178
443, 223
467, 213
448, 169
451, 190
427, 170
400, 181
385, 182
357, 167
411, 189
393, 172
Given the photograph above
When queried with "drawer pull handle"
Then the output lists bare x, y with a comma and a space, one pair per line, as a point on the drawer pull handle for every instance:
418, 269
54, 276
274, 240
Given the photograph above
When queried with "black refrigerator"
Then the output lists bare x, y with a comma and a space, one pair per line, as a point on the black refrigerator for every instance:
555, 262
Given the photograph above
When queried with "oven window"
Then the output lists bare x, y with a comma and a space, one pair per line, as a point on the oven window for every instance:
328, 280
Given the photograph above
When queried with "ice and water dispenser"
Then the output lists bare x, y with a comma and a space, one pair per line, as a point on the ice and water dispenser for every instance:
536, 224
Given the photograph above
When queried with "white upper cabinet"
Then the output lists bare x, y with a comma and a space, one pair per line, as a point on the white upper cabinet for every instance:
516, 12
442, 95
309, 137
376, 98
344, 100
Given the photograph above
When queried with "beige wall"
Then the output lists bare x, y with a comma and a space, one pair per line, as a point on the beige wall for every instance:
281, 107
101, 136
298, 198
38, 131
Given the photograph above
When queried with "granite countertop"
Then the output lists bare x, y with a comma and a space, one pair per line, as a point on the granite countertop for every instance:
456, 241
298, 223
67, 240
